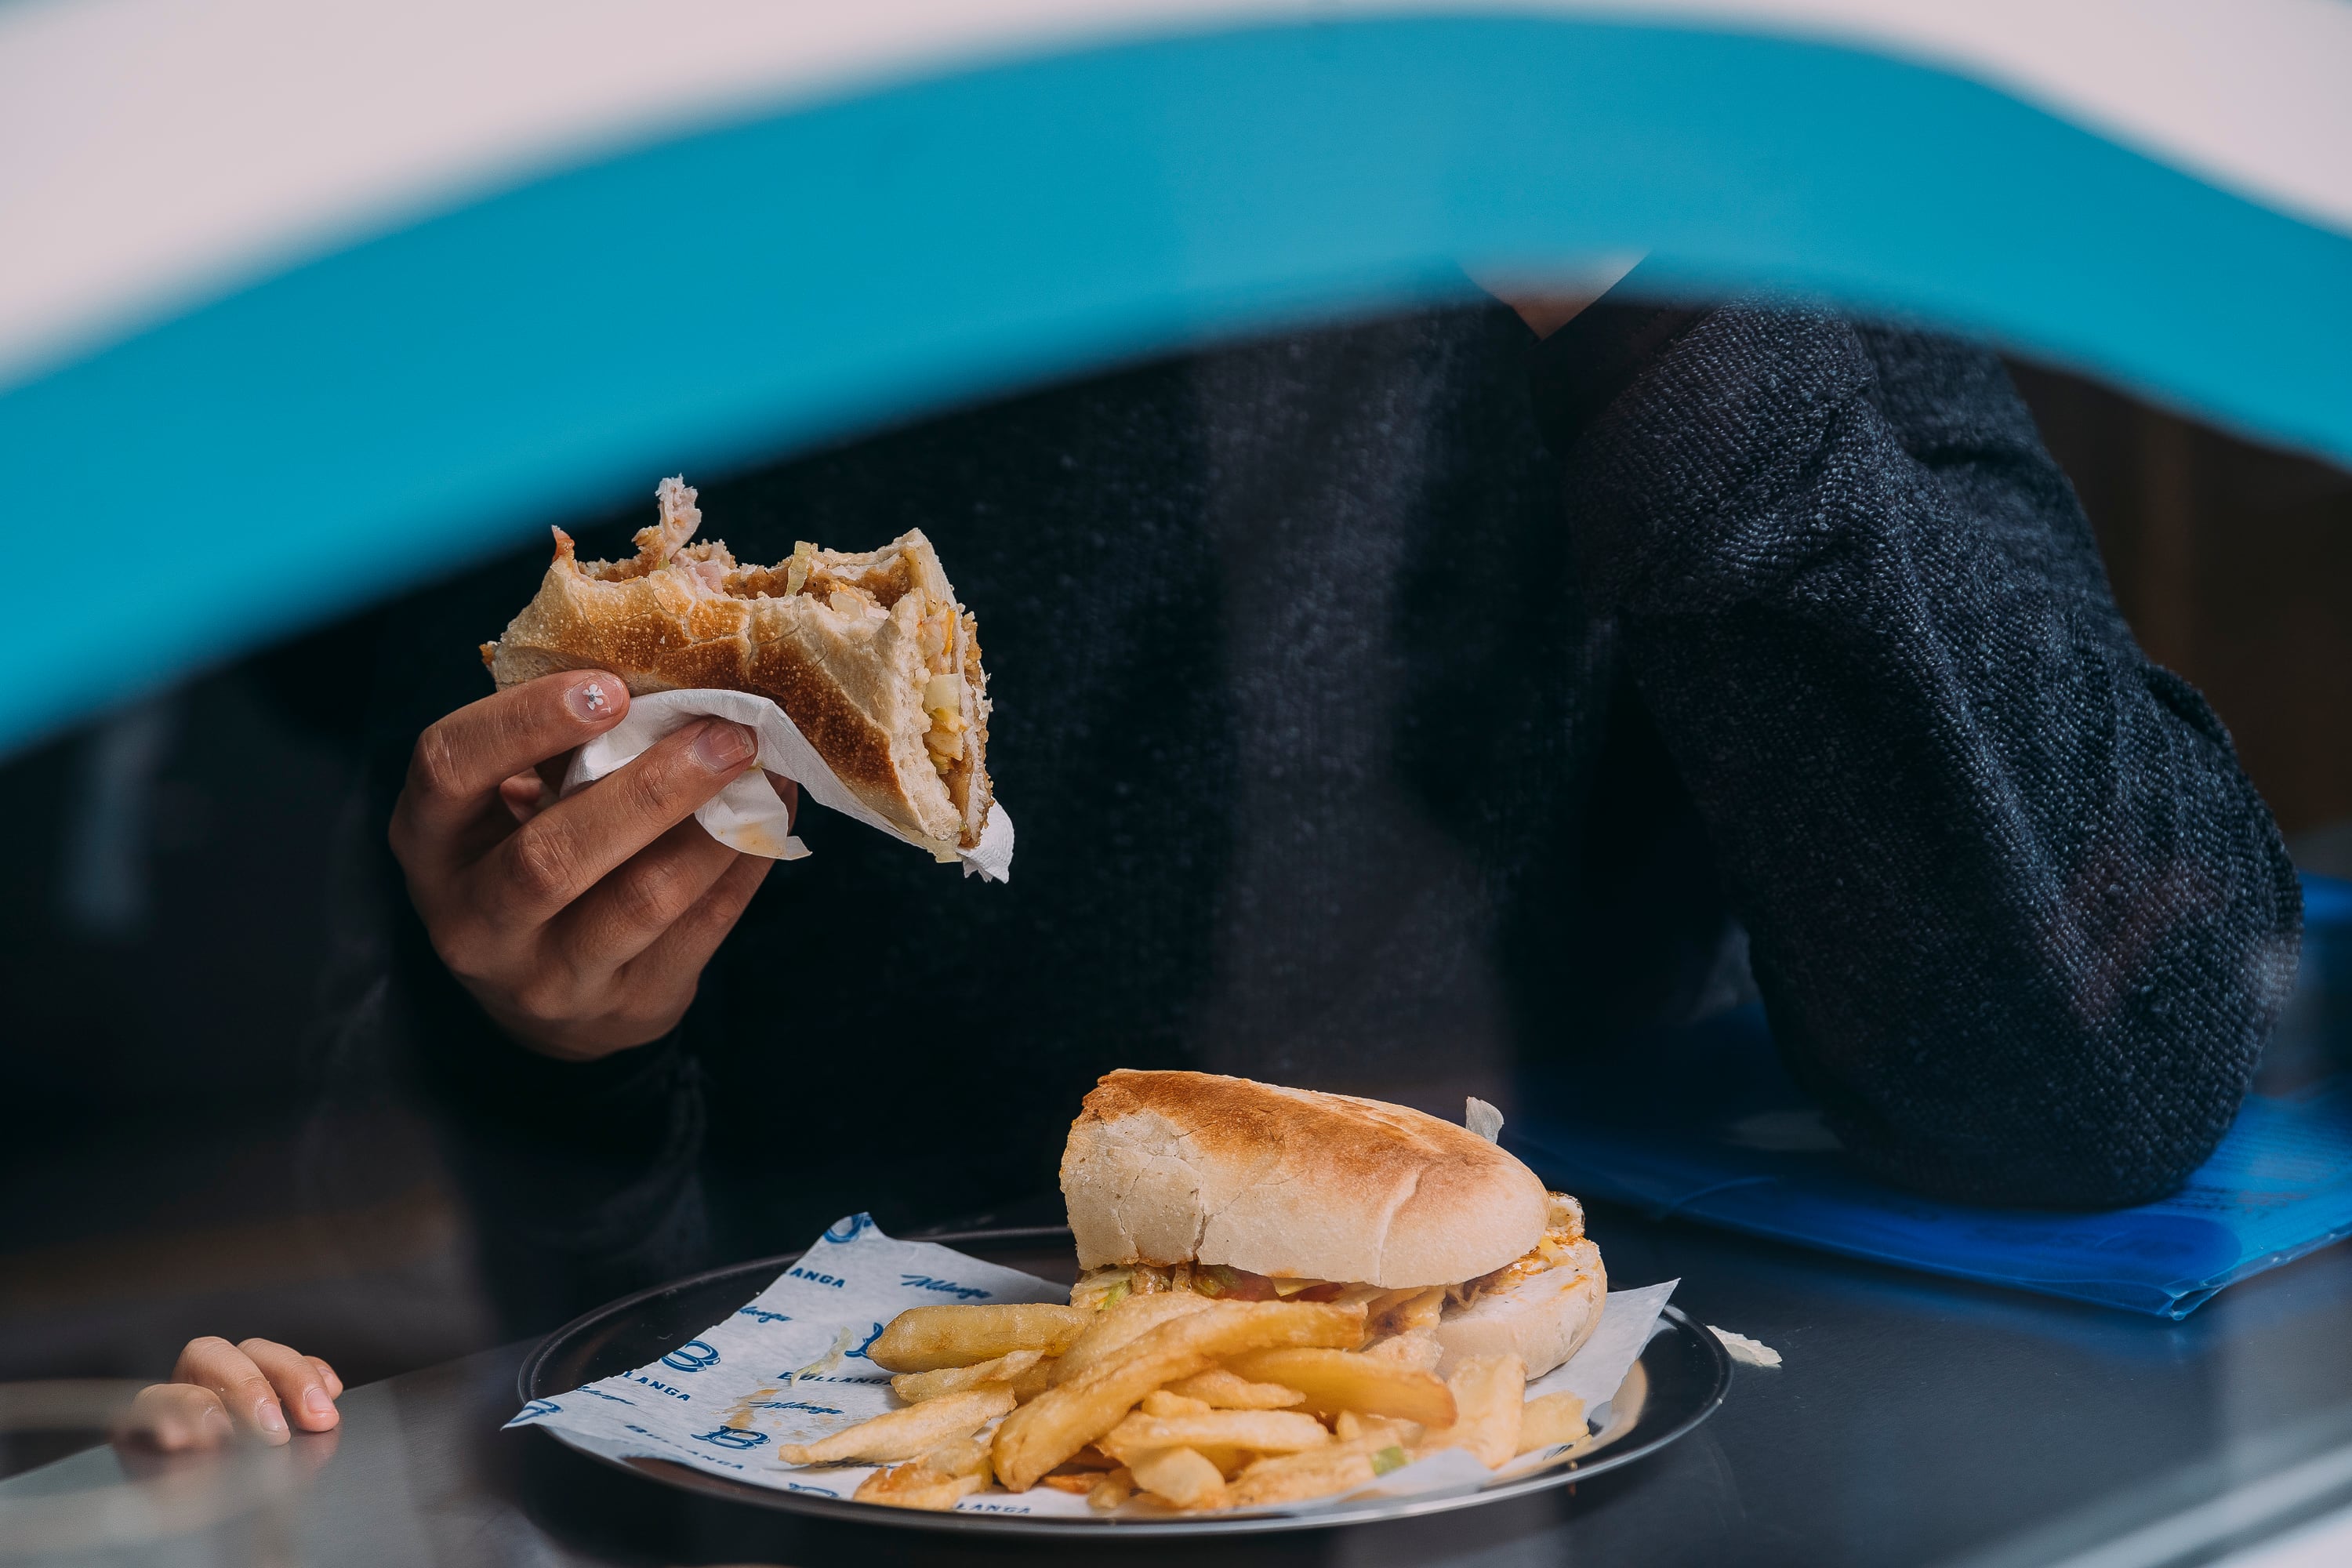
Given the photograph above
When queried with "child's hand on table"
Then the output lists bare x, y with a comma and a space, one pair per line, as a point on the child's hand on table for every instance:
218, 1389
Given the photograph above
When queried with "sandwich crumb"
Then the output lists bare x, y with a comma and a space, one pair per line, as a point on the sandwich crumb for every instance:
1746, 1351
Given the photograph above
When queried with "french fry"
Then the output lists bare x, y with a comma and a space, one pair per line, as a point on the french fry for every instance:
1417, 1349
1488, 1391
1350, 1427
1112, 1489
1119, 1326
1076, 1411
911, 1486
1317, 1472
926, 1339
965, 1457
1406, 1312
1230, 1460
914, 1387
1336, 1380
1550, 1419
1265, 1431
1222, 1390
1159, 1401
1029, 1385
905, 1434
1179, 1476
935, 1481
1081, 1471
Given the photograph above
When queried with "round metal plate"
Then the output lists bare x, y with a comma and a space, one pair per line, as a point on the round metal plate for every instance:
1680, 1379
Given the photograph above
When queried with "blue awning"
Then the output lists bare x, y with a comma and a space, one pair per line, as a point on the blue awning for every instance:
298, 309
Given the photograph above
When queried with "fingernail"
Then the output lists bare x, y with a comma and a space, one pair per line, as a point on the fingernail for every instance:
588, 700
316, 1403
721, 746
273, 1421
215, 1418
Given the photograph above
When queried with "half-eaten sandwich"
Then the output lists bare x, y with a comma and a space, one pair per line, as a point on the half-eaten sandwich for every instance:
869, 655
1185, 1181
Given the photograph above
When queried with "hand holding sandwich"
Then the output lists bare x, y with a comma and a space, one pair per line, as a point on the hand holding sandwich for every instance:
582, 925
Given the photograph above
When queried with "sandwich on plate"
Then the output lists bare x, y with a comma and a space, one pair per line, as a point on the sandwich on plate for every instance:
1245, 1191
1285, 1296
870, 654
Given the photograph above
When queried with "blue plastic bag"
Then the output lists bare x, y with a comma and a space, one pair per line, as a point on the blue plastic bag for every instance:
1736, 1143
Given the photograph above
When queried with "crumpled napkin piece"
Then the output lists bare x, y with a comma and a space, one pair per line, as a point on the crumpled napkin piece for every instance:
748, 815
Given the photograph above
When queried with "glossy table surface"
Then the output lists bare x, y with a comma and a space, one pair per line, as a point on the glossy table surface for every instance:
1913, 1421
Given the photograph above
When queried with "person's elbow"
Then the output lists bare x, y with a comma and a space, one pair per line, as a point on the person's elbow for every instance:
2091, 1094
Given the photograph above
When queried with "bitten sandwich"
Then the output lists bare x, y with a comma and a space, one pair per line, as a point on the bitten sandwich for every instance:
869, 655
1243, 1191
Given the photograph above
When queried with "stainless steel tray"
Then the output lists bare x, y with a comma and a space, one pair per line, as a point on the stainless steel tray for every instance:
1679, 1380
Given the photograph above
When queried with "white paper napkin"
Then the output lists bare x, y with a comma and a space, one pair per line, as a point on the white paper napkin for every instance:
748, 814
789, 1366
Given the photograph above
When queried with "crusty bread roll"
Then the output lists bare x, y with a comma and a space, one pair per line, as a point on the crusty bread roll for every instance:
869, 655
1543, 1319
1166, 1167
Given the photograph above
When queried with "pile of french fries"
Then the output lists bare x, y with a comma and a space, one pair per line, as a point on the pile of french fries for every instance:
1178, 1401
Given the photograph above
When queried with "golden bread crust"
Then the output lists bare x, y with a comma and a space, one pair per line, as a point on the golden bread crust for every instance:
853, 746
1162, 1167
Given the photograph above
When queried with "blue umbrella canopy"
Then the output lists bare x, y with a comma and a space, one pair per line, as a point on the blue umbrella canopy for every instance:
298, 308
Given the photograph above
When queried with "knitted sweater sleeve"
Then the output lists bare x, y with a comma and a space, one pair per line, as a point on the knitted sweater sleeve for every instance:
2019, 920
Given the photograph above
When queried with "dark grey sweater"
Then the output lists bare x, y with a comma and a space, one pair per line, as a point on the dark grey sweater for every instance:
1372, 723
